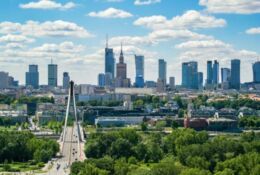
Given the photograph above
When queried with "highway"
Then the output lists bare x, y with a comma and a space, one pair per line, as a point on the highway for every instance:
72, 151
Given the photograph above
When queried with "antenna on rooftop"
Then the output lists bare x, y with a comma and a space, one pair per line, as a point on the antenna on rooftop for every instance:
106, 40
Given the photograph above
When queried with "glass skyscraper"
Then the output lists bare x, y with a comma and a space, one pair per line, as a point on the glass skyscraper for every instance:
225, 75
139, 70
32, 76
101, 80
215, 74
190, 75
66, 80
53, 75
162, 70
256, 72
235, 74
209, 72
109, 61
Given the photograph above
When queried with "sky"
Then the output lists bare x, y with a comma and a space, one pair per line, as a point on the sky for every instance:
73, 35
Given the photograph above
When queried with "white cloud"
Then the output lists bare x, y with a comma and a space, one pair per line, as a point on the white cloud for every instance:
48, 28
64, 47
253, 31
10, 38
190, 19
231, 6
202, 44
131, 40
146, 2
111, 13
165, 35
47, 4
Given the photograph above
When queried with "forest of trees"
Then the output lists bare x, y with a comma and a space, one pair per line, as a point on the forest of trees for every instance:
184, 152
23, 146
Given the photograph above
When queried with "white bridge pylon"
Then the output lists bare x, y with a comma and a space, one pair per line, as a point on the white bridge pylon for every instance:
71, 97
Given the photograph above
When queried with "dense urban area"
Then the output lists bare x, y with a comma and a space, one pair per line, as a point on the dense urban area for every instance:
124, 129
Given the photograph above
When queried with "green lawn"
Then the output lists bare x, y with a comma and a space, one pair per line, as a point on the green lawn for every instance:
21, 167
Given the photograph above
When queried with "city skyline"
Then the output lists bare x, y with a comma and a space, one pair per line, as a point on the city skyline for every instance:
72, 34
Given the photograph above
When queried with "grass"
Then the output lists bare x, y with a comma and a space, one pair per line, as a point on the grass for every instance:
20, 167
11, 128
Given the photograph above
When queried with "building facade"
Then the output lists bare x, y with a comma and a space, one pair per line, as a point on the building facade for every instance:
256, 72
66, 80
101, 80
32, 76
235, 74
139, 70
53, 75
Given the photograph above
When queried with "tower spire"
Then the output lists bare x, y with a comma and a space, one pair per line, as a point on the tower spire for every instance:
121, 48
106, 40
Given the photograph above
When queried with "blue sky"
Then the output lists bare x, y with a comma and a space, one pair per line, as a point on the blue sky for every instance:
73, 33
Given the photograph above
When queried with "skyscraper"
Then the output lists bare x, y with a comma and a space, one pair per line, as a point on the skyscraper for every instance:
190, 75
32, 76
256, 72
139, 70
215, 73
185, 74
172, 83
101, 80
200, 80
66, 80
209, 72
225, 75
121, 78
162, 70
235, 74
109, 61
52, 75
4, 80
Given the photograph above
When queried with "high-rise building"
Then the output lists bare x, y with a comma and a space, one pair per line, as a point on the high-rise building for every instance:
225, 75
190, 75
121, 69
209, 73
200, 80
235, 74
32, 76
101, 80
66, 80
162, 70
4, 80
139, 70
53, 75
109, 61
256, 72
172, 83
185, 74
215, 73
108, 79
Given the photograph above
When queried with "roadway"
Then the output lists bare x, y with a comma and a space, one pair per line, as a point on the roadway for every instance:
72, 151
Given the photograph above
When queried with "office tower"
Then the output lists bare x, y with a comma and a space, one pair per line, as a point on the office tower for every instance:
193, 74
32, 76
101, 80
109, 61
172, 83
66, 80
184, 74
150, 84
121, 78
225, 75
256, 72
209, 73
52, 75
139, 70
215, 74
235, 74
190, 75
4, 80
108, 79
200, 80
162, 70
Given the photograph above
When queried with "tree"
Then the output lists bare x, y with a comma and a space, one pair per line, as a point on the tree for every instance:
181, 113
121, 148
144, 126
195, 171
